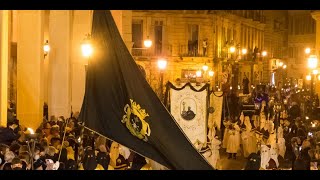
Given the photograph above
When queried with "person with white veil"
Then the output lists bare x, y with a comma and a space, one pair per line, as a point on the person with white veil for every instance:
281, 142
251, 146
226, 124
245, 137
274, 152
215, 155
265, 156
233, 141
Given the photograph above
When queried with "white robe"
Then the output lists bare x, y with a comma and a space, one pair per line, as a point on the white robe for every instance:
265, 156
249, 141
274, 152
234, 140
226, 134
280, 132
282, 146
215, 156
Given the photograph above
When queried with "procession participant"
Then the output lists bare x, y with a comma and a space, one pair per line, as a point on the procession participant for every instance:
265, 156
89, 161
274, 151
226, 134
233, 140
254, 162
215, 156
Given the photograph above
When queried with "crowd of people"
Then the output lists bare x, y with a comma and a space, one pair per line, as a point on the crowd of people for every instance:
63, 144
272, 137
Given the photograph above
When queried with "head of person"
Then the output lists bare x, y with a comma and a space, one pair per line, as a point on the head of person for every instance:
114, 149
13, 124
16, 164
46, 128
4, 148
89, 159
8, 156
253, 162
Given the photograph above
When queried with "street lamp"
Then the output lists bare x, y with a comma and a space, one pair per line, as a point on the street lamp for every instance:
86, 47
264, 53
46, 48
205, 68
312, 64
147, 43
162, 64
312, 61
244, 51
307, 50
198, 73
211, 73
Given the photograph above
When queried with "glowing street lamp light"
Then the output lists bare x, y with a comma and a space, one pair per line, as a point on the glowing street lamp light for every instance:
312, 62
162, 64
147, 43
205, 67
232, 49
284, 66
211, 73
264, 53
280, 64
315, 71
86, 47
307, 50
244, 51
198, 73
46, 48
308, 77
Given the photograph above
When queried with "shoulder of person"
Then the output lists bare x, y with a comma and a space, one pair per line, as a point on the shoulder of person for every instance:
99, 167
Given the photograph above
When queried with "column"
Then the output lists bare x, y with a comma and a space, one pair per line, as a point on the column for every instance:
81, 25
126, 29
316, 16
30, 67
247, 38
4, 57
59, 85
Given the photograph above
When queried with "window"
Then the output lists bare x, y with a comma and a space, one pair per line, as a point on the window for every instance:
137, 33
158, 37
193, 33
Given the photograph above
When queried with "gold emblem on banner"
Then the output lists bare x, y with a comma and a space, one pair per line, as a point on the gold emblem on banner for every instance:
134, 120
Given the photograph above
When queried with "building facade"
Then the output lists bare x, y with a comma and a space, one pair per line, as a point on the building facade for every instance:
190, 39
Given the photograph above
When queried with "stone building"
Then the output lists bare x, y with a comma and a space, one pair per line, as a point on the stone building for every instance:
179, 35
188, 39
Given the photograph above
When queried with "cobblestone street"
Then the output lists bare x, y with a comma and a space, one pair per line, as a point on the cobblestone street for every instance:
230, 164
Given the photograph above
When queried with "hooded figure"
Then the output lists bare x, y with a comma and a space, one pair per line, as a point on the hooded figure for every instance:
282, 146
274, 153
226, 124
233, 141
70, 163
265, 156
103, 158
248, 138
138, 162
89, 161
254, 162
215, 156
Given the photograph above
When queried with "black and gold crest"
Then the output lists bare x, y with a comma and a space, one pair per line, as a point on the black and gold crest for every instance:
134, 120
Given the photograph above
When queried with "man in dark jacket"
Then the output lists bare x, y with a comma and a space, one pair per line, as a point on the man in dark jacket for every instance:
8, 135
